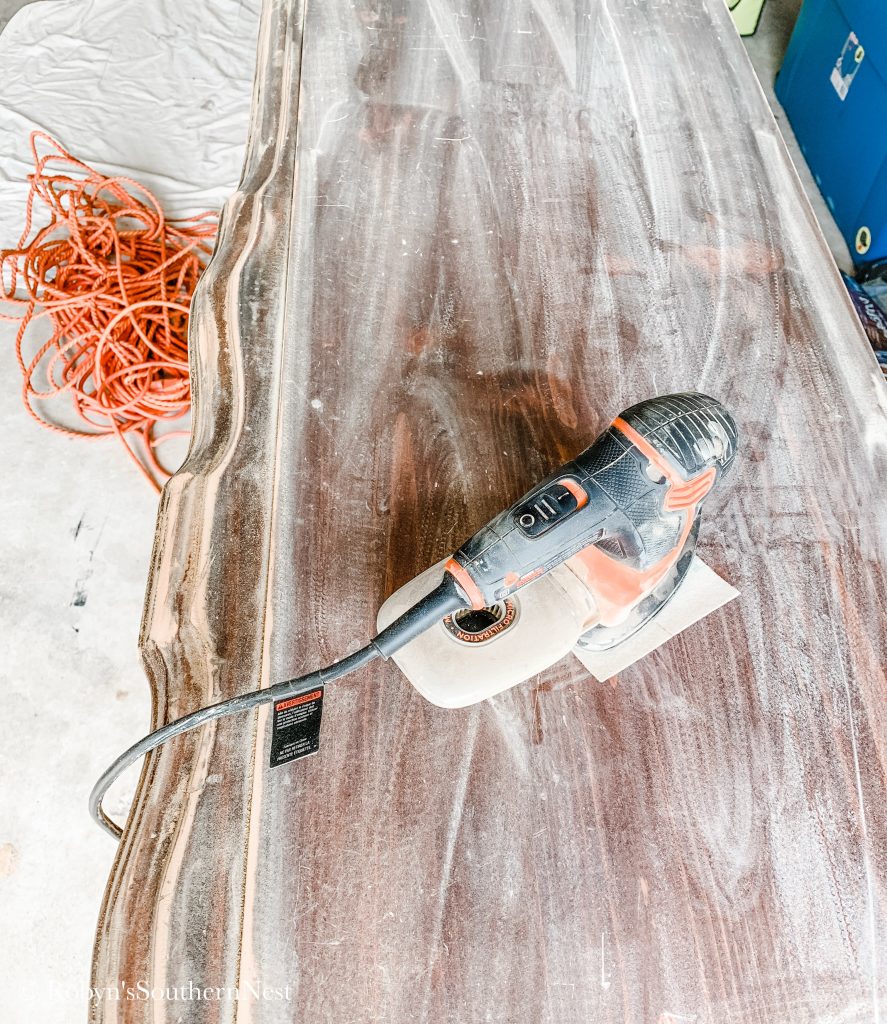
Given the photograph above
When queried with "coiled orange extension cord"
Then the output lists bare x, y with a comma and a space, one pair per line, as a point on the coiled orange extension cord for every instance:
115, 278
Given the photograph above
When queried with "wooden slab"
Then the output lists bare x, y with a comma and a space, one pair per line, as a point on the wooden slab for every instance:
469, 234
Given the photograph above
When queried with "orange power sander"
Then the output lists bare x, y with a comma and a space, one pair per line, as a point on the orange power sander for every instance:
624, 515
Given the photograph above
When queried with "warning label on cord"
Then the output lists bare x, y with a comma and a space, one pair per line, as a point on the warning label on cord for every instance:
296, 727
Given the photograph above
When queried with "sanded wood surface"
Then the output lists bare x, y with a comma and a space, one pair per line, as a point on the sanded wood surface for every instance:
468, 234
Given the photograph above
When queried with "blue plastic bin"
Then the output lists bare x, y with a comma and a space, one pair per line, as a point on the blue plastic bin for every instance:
833, 86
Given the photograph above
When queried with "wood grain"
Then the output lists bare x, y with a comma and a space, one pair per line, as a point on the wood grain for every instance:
467, 235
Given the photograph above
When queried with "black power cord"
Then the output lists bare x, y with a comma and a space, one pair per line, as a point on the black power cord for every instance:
231, 706
442, 601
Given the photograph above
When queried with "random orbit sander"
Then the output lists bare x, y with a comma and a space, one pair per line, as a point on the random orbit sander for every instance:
583, 562
596, 551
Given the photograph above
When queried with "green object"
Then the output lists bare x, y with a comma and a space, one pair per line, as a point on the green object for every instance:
746, 14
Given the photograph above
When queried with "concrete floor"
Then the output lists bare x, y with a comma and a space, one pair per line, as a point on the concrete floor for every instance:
9, 7
78, 525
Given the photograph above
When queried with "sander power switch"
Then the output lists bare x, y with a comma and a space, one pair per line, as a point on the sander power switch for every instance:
549, 506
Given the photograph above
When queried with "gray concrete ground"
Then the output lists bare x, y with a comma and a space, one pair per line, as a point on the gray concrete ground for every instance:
8, 8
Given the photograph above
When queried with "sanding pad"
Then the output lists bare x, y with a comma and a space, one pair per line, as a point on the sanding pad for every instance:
550, 615
701, 592
546, 621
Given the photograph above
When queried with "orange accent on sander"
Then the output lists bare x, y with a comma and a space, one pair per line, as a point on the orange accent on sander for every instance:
617, 585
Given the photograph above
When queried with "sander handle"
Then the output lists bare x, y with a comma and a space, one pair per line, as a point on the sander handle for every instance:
625, 505
620, 514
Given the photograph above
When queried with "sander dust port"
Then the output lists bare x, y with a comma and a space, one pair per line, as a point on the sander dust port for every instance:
481, 625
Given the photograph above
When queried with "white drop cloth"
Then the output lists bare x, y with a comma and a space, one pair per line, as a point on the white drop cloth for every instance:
156, 89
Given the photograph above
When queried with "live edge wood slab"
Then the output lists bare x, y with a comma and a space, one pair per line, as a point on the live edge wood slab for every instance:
468, 234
